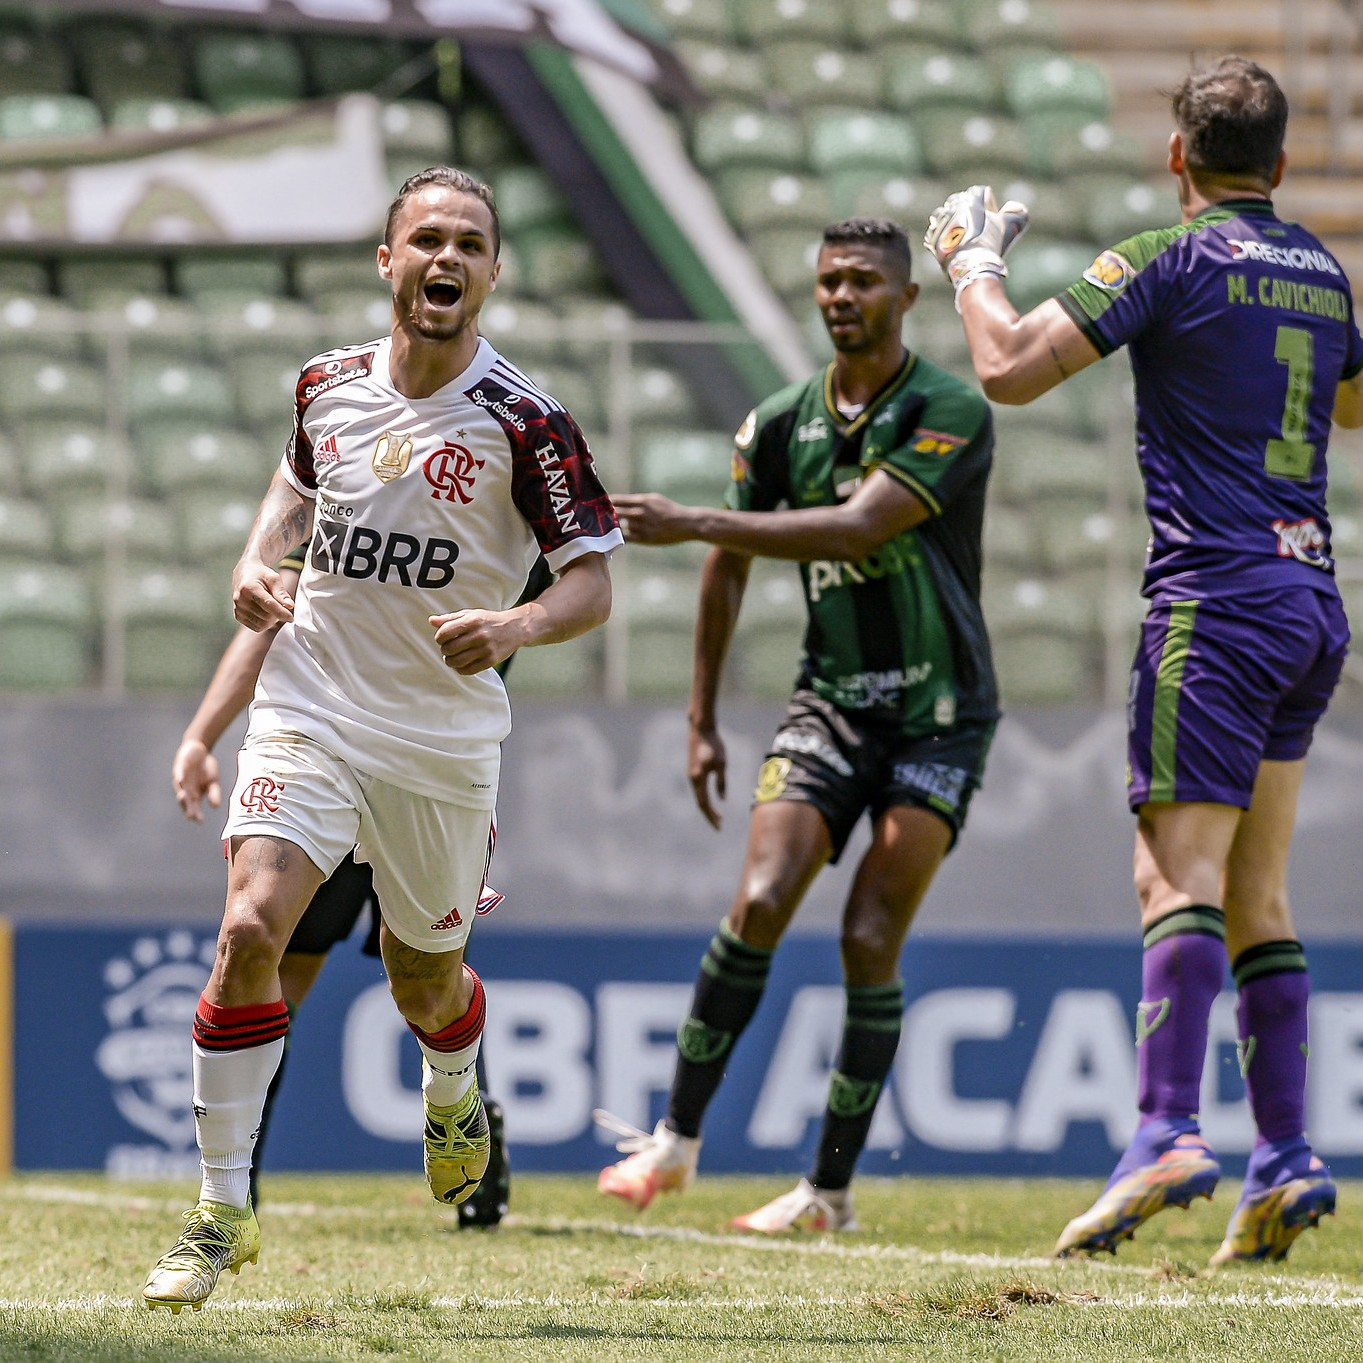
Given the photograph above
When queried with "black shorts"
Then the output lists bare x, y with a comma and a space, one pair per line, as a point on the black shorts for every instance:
845, 764
335, 909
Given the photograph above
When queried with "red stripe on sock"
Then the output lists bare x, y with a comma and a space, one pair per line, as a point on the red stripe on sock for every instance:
462, 1032
237, 1029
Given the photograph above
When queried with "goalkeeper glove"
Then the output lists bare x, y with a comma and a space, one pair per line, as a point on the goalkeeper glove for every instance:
970, 235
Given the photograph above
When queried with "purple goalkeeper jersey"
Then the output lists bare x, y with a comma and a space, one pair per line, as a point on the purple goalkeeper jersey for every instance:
1240, 328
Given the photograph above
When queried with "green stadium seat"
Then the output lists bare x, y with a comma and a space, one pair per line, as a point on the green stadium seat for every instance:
158, 115
573, 388
710, 19
348, 317
843, 140
1009, 24
32, 61
788, 257
813, 73
241, 67
1043, 670
319, 278
891, 23
567, 671
1075, 534
774, 600
766, 663
265, 387
687, 465
39, 325
33, 117
1010, 537
157, 326
1033, 464
908, 199
338, 62
757, 198
1039, 269
1061, 142
724, 72
739, 135
1033, 603
161, 388
1040, 83
176, 457
214, 527
172, 627
659, 395
258, 273
936, 78
659, 607
120, 60
79, 278
1055, 208
26, 529
88, 521
46, 619
485, 140
21, 275
417, 128
528, 199
261, 325
974, 147
60, 454
38, 386
556, 259
767, 21
1118, 208
530, 331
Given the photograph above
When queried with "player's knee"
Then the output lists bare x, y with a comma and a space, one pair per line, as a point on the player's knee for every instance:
760, 915
248, 943
870, 950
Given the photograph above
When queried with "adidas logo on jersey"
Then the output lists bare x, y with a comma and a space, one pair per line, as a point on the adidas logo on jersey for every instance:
327, 452
450, 920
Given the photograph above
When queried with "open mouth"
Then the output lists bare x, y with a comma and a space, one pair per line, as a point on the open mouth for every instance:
443, 293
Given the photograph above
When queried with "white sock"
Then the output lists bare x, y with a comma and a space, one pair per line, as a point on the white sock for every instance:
229, 1097
448, 1075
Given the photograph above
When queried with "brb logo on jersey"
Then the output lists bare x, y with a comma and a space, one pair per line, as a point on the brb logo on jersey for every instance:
262, 795
450, 471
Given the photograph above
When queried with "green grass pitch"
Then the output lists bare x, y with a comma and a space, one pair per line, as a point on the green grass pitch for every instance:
367, 1267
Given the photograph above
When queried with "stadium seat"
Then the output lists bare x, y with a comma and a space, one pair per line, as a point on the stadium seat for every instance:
319, 277
175, 457
1036, 465
172, 627
213, 527
1060, 142
1039, 269
527, 199
265, 386
39, 325
939, 79
79, 278
571, 387
1040, 83
874, 194
417, 128
739, 135
338, 62
788, 257
557, 259
32, 60
1033, 603
567, 671
120, 60
88, 521
767, 21
724, 72
840, 140
257, 273
46, 617
485, 140
158, 115
348, 317
890, 24
527, 330
687, 465
765, 664
774, 600
709, 19
38, 386
755, 198
971, 147
19, 274
33, 117
157, 326
1009, 25
164, 389
240, 68
26, 530
1010, 539
1044, 670
1117, 209
260, 325
813, 73
60, 454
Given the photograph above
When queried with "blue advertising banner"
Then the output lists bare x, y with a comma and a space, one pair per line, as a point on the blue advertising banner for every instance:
1017, 1057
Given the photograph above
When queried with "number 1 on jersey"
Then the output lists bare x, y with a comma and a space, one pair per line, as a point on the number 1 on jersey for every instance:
1293, 455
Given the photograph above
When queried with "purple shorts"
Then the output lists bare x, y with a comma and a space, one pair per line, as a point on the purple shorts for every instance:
1220, 685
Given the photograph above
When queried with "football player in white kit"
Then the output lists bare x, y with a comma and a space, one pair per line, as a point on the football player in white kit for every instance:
427, 473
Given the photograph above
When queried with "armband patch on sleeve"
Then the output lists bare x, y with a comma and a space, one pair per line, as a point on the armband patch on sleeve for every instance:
1110, 271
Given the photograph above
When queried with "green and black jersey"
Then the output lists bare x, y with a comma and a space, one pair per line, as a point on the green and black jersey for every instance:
900, 633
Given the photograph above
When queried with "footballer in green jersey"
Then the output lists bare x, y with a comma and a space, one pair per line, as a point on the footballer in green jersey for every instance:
871, 476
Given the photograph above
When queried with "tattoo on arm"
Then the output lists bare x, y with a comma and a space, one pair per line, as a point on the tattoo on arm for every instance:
1055, 355
282, 523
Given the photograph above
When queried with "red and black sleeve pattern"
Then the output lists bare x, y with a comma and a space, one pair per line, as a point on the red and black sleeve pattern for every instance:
317, 378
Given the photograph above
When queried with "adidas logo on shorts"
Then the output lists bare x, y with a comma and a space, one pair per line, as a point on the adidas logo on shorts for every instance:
450, 920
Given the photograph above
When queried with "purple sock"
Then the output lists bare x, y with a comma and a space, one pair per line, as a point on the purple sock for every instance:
1182, 971
1274, 991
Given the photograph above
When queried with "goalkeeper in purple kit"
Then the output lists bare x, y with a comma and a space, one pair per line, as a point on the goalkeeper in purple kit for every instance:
1244, 348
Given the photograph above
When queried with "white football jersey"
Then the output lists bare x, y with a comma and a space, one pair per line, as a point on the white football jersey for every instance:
423, 506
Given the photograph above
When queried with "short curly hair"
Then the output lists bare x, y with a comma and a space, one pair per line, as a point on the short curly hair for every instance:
1233, 118
881, 232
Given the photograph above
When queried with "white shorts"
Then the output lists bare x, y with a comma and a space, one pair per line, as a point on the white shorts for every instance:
430, 858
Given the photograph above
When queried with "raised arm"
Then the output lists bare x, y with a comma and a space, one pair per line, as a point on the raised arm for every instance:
877, 511
1017, 358
284, 521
